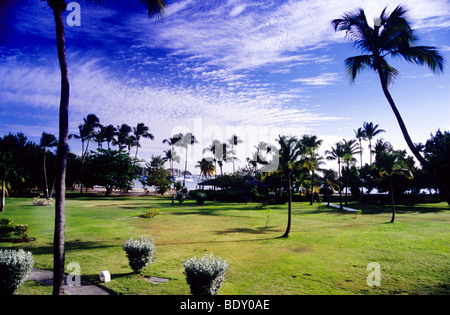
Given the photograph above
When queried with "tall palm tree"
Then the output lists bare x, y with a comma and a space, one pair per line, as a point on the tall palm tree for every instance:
234, 141
215, 148
86, 133
311, 161
139, 131
330, 183
387, 164
337, 153
109, 133
173, 154
350, 148
155, 8
289, 153
124, 139
393, 36
187, 140
6, 168
370, 131
47, 141
360, 135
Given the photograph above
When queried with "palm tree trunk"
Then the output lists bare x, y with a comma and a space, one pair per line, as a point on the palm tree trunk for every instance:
185, 168
288, 228
340, 185
45, 175
444, 193
60, 202
392, 199
2, 207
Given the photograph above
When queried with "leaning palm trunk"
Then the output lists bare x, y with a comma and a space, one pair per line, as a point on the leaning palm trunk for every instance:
408, 140
60, 202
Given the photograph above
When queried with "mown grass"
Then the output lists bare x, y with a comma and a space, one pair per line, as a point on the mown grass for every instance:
327, 251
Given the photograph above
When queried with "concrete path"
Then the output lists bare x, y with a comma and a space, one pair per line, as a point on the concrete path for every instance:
86, 287
337, 206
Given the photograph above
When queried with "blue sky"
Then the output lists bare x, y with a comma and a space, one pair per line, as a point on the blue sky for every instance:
214, 68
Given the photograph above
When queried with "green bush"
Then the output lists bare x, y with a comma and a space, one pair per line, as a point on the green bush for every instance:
139, 253
15, 267
205, 276
8, 228
181, 196
201, 198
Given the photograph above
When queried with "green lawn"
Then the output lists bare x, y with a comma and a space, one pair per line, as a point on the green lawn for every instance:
327, 251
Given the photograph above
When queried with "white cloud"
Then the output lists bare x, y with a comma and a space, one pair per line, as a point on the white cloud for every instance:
320, 80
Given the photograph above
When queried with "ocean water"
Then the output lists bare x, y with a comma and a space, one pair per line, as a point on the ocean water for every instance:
191, 182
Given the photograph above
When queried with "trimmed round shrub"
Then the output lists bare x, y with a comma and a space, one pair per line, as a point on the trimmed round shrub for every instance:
15, 267
139, 253
205, 276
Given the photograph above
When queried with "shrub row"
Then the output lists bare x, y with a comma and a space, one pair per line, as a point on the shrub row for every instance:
204, 276
9, 229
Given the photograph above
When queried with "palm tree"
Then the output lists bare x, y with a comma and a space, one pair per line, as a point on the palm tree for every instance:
389, 163
171, 156
310, 144
206, 167
186, 140
109, 133
124, 139
330, 183
337, 153
214, 148
288, 157
155, 8
86, 133
234, 141
370, 131
393, 36
141, 130
350, 149
360, 135
6, 168
47, 141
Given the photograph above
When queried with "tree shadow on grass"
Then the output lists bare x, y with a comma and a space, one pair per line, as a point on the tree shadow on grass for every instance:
69, 246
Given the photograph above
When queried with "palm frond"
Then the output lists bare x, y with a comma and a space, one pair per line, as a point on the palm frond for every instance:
155, 8
356, 28
422, 55
386, 71
355, 64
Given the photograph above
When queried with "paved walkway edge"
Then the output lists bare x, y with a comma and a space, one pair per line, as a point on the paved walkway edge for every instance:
86, 287
337, 206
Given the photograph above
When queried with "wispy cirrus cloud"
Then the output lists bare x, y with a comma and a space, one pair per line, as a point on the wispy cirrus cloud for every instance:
320, 80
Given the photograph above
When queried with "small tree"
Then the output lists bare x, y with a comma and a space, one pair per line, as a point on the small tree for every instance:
111, 169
